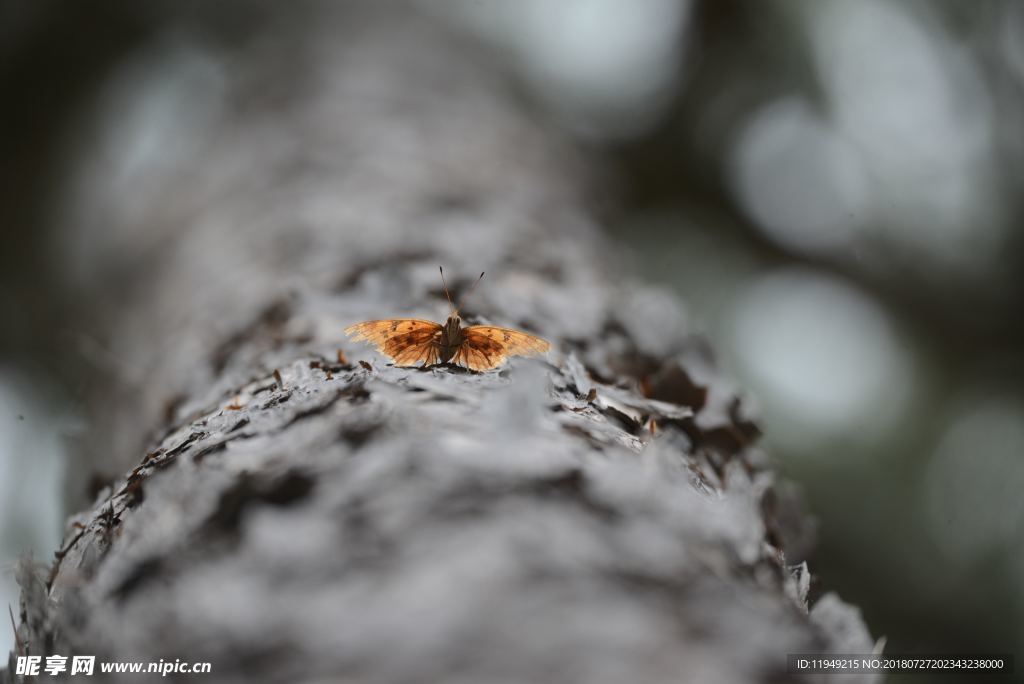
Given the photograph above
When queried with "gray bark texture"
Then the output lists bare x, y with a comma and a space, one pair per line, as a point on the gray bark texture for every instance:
290, 514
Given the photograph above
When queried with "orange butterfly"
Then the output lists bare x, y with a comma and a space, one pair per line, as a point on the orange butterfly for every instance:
478, 347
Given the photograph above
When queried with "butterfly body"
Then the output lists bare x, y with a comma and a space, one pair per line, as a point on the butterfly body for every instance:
412, 341
450, 338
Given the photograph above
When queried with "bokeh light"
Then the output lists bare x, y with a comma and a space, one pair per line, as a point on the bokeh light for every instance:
823, 357
915, 106
33, 428
800, 181
975, 481
606, 69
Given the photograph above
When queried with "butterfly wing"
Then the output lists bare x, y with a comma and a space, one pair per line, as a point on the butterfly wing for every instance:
407, 341
485, 347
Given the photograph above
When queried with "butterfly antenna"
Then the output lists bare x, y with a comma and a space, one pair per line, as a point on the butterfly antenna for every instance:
450, 305
459, 307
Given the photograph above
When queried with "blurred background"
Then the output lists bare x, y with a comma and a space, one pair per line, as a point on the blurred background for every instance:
833, 187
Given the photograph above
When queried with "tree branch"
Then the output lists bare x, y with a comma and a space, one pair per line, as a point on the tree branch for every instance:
310, 514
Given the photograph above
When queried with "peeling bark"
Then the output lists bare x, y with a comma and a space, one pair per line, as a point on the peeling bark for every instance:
297, 509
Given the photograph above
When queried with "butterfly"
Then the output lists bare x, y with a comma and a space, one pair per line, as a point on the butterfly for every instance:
411, 341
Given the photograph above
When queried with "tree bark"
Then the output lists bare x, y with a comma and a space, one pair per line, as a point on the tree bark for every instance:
295, 508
